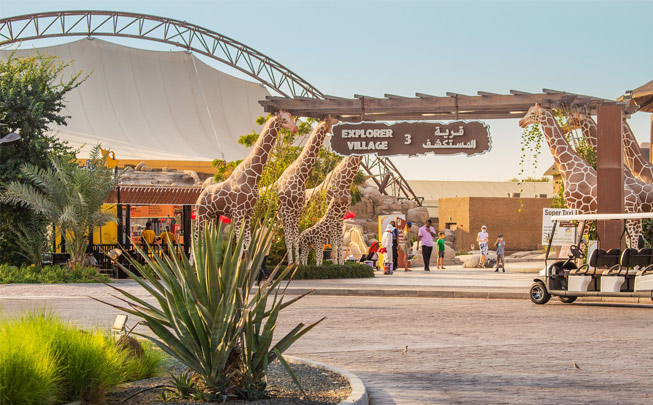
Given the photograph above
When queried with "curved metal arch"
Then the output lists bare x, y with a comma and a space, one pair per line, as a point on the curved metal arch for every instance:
160, 29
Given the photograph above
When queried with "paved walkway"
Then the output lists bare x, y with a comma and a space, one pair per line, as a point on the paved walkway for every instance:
459, 350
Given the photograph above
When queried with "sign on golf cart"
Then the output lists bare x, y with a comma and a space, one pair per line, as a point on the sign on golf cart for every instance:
411, 138
565, 234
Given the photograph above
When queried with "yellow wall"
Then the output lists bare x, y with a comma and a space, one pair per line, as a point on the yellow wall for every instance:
197, 166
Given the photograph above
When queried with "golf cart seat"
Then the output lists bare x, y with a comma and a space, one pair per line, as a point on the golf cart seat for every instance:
644, 272
581, 279
618, 277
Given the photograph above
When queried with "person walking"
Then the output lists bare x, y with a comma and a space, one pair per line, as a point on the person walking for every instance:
386, 242
407, 247
500, 244
440, 243
395, 243
425, 237
482, 239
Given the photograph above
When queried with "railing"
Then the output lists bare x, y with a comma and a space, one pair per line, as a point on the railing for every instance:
104, 261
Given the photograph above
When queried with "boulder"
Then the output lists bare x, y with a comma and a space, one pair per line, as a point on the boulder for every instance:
418, 216
208, 182
449, 257
139, 166
194, 176
471, 261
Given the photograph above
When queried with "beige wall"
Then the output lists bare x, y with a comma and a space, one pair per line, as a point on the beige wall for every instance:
522, 230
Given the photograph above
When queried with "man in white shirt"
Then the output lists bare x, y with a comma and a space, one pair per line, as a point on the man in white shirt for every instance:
482, 239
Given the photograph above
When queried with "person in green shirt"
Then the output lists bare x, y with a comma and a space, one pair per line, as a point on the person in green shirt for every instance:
440, 262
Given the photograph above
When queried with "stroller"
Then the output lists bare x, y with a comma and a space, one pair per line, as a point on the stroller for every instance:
372, 255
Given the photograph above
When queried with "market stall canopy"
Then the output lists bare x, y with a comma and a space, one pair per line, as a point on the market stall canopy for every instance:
641, 96
152, 105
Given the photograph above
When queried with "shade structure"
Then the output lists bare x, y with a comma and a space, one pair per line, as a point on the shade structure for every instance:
153, 105
642, 96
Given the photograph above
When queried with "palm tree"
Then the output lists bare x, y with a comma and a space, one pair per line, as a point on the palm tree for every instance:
67, 195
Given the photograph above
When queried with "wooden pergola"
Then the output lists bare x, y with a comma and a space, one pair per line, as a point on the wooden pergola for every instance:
453, 106
485, 106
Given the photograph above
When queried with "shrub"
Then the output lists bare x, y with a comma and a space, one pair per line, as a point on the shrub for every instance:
211, 317
49, 275
45, 360
331, 271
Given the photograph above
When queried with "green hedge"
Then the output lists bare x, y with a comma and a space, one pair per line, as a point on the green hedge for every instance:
332, 271
48, 275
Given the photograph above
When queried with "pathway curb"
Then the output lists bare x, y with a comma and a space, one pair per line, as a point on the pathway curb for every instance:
378, 292
358, 394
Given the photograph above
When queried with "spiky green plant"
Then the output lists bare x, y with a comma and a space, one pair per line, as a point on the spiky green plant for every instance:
68, 196
211, 317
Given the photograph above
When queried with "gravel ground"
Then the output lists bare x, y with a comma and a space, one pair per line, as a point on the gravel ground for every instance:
322, 386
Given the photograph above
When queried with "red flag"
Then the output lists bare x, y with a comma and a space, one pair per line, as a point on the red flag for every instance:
224, 219
349, 215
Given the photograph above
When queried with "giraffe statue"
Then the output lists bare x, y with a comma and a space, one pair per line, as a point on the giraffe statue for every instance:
236, 196
338, 196
340, 191
578, 176
642, 190
318, 235
291, 187
589, 129
635, 160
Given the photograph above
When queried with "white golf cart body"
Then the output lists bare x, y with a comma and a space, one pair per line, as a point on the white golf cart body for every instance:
607, 273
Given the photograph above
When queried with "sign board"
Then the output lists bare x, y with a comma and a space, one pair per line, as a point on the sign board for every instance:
565, 235
410, 138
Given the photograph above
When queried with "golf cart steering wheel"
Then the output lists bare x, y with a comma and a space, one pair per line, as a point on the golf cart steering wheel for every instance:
575, 251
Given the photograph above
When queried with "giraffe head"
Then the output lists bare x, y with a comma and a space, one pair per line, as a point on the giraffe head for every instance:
331, 121
535, 115
574, 121
286, 121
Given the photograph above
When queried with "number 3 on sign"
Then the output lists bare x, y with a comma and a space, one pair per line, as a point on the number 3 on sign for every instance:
407, 141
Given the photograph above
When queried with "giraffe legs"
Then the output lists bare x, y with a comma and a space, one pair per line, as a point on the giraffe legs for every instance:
291, 234
634, 228
319, 253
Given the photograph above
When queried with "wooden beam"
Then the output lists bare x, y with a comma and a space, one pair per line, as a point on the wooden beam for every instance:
549, 91
520, 93
394, 96
424, 95
609, 170
486, 93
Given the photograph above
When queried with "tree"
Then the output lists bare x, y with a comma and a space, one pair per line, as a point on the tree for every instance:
68, 196
32, 91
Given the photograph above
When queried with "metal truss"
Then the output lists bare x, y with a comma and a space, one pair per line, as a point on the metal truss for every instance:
192, 38
387, 178
166, 30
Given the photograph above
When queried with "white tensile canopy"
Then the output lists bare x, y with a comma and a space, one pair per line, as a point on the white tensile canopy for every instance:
152, 105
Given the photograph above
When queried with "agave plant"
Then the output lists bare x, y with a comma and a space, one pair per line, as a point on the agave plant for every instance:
211, 316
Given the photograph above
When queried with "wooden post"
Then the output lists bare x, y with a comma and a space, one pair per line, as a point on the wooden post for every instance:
609, 169
650, 145
121, 227
186, 227
128, 225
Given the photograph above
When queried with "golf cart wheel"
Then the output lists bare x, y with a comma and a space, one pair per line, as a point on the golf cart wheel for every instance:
567, 300
539, 293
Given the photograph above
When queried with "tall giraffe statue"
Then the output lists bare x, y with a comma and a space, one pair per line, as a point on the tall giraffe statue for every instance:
642, 190
338, 196
237, 195
340, 191
635, 160
578, 176
291, 187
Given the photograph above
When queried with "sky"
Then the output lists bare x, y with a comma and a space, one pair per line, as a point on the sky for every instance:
598, 48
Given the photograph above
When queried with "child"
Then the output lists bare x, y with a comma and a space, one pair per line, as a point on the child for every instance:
500, 244
440, 262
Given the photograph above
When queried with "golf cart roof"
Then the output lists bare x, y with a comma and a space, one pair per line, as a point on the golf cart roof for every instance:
602, 217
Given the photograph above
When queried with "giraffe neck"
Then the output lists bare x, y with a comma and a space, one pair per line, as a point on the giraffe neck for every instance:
634, 157
562, 152
303, 165
590, 130
254, 163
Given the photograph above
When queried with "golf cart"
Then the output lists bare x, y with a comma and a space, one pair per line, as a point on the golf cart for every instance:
609, 271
